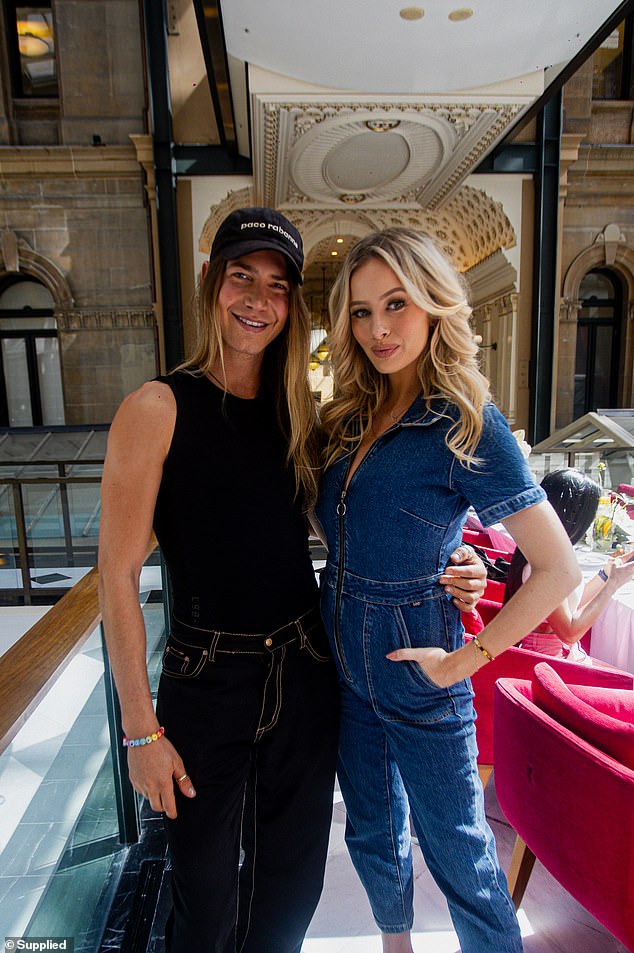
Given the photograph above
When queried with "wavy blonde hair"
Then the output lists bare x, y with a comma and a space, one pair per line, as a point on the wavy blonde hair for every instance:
448, 366
284, 374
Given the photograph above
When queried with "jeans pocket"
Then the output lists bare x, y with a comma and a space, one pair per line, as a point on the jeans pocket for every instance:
425, 623
181, 660
316, 642
400, 692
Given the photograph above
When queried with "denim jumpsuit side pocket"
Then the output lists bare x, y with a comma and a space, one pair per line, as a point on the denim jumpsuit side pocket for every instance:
401, 691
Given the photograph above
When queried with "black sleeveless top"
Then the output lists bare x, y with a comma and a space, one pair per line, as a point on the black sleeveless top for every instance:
233, 536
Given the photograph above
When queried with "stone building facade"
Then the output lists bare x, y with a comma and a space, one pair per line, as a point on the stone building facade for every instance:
74, 215
595, 340
78, 219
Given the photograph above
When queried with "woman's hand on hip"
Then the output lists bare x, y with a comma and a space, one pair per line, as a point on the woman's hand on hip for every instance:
435, 663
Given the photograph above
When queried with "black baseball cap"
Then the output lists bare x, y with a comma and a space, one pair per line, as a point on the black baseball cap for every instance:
254, 229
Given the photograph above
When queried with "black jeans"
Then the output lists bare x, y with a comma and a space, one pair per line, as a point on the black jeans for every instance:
255, 719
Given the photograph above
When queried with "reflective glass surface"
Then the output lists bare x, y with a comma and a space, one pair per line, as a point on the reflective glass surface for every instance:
36, 45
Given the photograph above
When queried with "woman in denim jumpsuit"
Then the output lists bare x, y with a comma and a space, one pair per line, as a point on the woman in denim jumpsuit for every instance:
393, 500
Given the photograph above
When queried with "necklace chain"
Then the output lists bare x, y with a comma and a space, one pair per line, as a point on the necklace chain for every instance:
397, 416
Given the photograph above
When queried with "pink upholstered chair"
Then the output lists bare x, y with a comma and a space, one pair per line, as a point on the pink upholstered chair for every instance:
564, 778
477, 538
495, 591
488, 609
519, 663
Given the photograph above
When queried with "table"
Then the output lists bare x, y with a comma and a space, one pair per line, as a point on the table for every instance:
612, 639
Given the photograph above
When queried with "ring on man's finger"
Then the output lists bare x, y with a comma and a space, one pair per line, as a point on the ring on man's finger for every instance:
178, 780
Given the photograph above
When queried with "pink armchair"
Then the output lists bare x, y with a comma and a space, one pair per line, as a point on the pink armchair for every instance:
519, 663
477, 538
564, 777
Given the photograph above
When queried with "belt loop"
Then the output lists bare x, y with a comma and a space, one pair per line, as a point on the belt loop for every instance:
213, 646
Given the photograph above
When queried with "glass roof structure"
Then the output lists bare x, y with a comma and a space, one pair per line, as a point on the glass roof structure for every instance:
28, 447
604, 430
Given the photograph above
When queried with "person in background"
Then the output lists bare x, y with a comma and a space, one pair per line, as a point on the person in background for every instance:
575, 497
221, 459
412, 440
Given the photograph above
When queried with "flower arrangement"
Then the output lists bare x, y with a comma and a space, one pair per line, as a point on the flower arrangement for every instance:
612, 526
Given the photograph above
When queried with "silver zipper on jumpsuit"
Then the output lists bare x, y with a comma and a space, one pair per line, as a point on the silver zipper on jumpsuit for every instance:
341, 513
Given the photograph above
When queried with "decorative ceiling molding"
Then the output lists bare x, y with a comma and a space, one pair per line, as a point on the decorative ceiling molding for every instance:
480, 223
307, 152
469, 228
491, 279
240, 198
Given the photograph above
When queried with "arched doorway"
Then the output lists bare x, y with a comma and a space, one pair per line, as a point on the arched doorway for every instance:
30, 374
598, 342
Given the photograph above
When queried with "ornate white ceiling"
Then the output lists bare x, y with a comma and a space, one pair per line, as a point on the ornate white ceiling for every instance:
360, 118
308, 151
401, 136
470, 227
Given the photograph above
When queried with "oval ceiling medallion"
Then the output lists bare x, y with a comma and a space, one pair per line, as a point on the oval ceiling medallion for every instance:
366, 161
341, 156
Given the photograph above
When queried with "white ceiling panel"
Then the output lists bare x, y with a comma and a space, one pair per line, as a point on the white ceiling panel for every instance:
367, 45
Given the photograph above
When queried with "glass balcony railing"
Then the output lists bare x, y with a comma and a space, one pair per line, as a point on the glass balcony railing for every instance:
68, 811
49, 510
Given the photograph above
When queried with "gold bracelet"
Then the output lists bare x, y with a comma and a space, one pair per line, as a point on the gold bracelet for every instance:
478, 644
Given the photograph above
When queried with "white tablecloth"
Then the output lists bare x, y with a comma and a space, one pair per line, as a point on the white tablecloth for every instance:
612, 639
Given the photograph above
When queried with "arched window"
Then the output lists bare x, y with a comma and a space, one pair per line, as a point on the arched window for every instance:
598, 342
30, 374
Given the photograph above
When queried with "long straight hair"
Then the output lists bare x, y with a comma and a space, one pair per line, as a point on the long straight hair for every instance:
284, 374
447, 367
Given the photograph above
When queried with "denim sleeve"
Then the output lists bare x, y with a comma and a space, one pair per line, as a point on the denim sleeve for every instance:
501, 483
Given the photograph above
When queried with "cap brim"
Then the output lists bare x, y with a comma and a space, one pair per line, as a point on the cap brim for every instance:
235, 249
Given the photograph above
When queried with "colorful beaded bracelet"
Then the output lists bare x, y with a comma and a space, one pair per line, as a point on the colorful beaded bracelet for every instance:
137, 742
